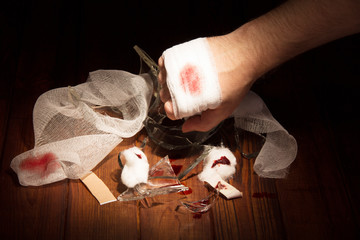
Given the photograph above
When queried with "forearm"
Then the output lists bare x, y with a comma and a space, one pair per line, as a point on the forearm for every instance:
292, 28
253, 49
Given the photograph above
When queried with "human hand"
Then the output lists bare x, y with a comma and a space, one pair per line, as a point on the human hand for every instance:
234, 86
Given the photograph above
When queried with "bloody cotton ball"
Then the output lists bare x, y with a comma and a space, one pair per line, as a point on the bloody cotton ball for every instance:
136, 167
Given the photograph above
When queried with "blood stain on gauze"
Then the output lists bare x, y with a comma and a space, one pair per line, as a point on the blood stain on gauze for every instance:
136, 168
190, 79
42, 165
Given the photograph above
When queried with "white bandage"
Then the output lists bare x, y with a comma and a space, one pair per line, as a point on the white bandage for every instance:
136, 168
192, 78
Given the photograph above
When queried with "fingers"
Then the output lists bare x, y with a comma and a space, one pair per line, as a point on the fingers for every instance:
204, 122
164, 92
165, 96
169, 110
162, 72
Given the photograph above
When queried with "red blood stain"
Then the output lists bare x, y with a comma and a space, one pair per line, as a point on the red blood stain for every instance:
176, 168
43, 165
187, 192
138, 155
220, 186
264, 195
190, 79
197, 215
222, 160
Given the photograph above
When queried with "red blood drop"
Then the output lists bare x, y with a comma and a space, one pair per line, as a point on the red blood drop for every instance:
220, 186
43, 164
176, 168
138, 155
197, 215
187, 192
190, 79
222, 160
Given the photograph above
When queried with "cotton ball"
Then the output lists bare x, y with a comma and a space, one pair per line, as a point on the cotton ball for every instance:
218, 164
136, 168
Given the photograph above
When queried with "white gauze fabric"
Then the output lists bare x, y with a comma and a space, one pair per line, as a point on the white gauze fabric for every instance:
192, 78
71, 134
136, 168
279, 149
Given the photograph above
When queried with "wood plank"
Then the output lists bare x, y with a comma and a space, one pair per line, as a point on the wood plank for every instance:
257, 215
86, 218
30, 212
313, 198
79, 52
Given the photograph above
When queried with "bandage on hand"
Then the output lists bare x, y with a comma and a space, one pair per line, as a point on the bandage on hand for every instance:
191, 78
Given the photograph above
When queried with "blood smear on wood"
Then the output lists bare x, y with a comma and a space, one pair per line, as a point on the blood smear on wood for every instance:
187, 192
190, 79
264, 195
197, 215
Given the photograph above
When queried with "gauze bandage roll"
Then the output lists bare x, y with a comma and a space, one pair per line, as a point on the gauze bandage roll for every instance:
279, 149
136, 168
192, 78
73, 130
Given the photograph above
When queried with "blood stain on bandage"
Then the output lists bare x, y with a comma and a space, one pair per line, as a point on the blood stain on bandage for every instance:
221, 186
222, 160
190, 79
43, 165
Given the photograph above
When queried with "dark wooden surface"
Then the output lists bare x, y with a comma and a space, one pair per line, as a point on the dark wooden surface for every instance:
50, 44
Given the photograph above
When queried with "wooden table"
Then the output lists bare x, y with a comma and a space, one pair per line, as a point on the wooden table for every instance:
314, 96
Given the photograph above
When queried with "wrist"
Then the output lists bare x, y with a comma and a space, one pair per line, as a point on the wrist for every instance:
236, 73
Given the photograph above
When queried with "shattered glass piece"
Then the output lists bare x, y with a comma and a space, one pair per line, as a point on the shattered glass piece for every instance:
162, 180
161, 130
202, 205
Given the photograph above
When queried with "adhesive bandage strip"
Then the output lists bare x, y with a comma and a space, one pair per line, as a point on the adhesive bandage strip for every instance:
98, 188
192, 78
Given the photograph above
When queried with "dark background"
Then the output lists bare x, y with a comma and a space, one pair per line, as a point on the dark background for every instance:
49, 44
